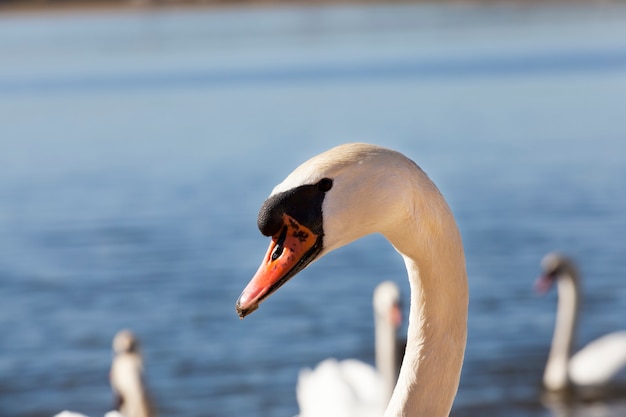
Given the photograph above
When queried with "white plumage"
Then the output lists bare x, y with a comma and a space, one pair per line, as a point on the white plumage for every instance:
347, 388
73, 414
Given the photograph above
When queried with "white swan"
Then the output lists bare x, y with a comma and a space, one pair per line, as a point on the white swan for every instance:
127, 377
73, 414
354, 190
131, 396
599, 365
350, 387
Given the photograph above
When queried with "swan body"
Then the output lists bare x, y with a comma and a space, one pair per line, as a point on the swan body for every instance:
73, 414
350, 387
601, 363
126, 377
354, 190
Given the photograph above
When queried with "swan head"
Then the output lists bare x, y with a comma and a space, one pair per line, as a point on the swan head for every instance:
327, 202
387, 303
125, 342
554, 266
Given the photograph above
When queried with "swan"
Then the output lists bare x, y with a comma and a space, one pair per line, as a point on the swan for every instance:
126, 377
600, 365
351, 387
73, 414
354, 190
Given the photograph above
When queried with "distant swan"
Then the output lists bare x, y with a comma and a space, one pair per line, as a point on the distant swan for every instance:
351, 387
131, 396
601, 363
354, 190
73, 414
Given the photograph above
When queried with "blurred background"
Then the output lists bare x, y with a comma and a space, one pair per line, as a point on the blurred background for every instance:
138, 143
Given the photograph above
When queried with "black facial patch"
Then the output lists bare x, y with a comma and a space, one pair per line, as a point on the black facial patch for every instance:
303, 203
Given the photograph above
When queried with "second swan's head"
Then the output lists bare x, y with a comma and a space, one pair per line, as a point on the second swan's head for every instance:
330, 200
555, 266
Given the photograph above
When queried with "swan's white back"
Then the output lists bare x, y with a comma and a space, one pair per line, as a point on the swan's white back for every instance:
73, 414
348, 388
601, 361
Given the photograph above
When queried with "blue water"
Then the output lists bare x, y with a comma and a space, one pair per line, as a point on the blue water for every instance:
137, 147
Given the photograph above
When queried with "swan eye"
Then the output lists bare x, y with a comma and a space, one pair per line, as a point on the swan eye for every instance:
325, 184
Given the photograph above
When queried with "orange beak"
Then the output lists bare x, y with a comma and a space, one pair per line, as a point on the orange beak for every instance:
290, 250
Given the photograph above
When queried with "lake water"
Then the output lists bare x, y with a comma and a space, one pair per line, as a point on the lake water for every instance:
137, 147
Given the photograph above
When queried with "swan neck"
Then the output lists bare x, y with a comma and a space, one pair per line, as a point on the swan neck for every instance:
556, 372
437, 328
127, 381
387, 361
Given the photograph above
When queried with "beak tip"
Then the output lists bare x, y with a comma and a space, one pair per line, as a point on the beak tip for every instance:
243, 311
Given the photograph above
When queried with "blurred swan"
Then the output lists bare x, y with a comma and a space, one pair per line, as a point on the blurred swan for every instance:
73, 414
355, 190
351, 387
126, 377
599, 365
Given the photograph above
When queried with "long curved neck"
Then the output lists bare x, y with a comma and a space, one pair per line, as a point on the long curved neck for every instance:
126, 375
386, 342
437, 330
555, 376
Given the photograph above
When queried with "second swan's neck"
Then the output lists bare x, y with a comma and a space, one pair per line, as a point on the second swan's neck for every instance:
556, 375
386, 342
437, 329
126, 378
